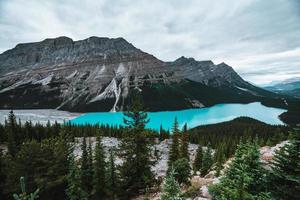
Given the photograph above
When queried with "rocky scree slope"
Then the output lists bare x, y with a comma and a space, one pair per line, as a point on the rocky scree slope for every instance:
100, 74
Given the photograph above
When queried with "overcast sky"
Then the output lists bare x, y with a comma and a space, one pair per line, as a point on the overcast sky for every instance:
260, 39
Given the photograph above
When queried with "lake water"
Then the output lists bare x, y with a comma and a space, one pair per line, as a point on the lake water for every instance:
193, 117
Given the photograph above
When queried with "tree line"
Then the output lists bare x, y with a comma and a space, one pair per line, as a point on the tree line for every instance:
44, 156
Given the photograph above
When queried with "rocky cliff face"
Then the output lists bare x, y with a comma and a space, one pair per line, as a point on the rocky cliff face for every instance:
99, 74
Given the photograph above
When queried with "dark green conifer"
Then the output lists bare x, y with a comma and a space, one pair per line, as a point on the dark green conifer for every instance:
112, 183
171, 189
184, 146
207, 160
285, 173
74, 189
197, 166
99, 171
86, 170
174, 151
12, 131
182, 170
136, 152
245, 178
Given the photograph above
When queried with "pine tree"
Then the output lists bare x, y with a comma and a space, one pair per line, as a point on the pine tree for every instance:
197, 166
2, 175
182, 170
174, 153
86, 171
112, 176
171, 188
185, 128
160, 133
74, 189
184, 146
24, 195
99, 171
175, 128
136, 152
207, 160
90, 168
244, 179
12, 128
285, 173
219, 163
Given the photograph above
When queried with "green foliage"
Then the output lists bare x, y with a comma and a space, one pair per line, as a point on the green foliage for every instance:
12, 134
192, 192
197, 165
112, 182
136, 151
207, 160
182, 170
86, 168
2, 175
74, 188
174, 153
225, 136
184, 146
171, 189
285, 174
43, 164
136, 117
24, 195
244, 179
99, 170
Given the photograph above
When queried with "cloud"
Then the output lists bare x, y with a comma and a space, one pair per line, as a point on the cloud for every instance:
253, 36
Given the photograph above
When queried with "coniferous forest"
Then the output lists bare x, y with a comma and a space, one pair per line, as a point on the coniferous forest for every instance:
38, 161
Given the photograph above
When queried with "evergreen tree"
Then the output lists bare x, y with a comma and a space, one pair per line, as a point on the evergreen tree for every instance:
90, 167
220, 159
74, 189
136, 118
175, 128
182, 170
184, 146
112, 176
197, 166
174, 153
244, 179
171, 188
207, 160
285, 173
2, 175
99, 171
136, 152
12, 131
86, 170
24, 195
185, 128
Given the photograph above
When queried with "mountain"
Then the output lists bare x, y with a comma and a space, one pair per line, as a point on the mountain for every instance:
289, 87
101, 74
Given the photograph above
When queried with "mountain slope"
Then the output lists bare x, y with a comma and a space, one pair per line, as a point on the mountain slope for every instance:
289, 87
100, 74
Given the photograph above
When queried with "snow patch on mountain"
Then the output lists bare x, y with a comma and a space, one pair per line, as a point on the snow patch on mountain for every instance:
17, 84
72, 75
121, 70
44, 81
109, 92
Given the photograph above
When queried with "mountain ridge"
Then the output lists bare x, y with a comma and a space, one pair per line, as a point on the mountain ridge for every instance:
100, 74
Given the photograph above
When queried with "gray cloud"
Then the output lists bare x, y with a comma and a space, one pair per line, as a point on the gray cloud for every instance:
259, 38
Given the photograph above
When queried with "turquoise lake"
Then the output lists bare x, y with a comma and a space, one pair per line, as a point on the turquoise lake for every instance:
193, 117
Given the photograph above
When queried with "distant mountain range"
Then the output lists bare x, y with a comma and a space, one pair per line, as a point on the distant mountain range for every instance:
100, 74
289, 87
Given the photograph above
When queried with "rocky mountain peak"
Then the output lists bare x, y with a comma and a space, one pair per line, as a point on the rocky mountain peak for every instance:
99, 73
